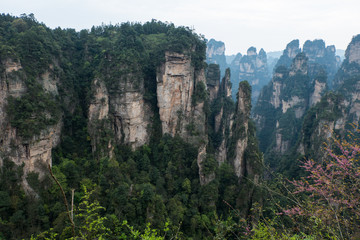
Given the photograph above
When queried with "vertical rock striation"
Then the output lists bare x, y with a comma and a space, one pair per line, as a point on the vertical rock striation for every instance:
252, 68
215, 53
33, 152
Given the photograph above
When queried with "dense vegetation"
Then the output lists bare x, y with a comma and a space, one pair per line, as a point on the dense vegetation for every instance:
156, 184
153, 192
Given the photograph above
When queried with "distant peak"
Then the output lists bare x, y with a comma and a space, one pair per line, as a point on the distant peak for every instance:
251, 51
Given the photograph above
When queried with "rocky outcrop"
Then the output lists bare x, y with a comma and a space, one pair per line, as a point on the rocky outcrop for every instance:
319, 54
215, 53
122, 111
180, 91
35, 152
325, 117
347, 80
223, 119
350, 67
352, 53
319, 90
291, 50
212, 80
308, 114
175, 87
241, 127
320, 57
283, 103
252, 68
300, 79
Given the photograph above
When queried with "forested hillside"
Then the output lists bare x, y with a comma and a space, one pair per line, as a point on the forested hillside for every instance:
124, 132
122, 112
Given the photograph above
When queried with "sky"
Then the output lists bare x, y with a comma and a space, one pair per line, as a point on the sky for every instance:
240, 24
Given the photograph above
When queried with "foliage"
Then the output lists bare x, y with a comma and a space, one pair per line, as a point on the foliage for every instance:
33, 112
332, 189
200, 93
152, 192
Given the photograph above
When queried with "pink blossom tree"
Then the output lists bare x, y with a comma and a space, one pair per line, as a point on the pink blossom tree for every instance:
330, 192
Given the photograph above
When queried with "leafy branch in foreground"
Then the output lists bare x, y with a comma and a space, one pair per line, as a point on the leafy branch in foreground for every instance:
331, 190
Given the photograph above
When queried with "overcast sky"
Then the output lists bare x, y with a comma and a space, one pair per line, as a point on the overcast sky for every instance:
268, 24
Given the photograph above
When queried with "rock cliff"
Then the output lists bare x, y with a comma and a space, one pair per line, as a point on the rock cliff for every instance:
283, 103
35, 151
212, 80
231, 135
319, 57
175, 88
215, 53
309, 116
252, 68
122, 111
291, 50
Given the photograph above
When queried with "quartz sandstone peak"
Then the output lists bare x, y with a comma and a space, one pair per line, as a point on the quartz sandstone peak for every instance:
175, 87
353, 50
34, 153
242, 116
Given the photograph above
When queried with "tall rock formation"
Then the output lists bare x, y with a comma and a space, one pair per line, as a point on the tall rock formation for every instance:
320, 57
291, 50
121, 111
241, 127
293, 90
222, 119
232, 139
177, 103
306, 112
282, 105
215, 53
231, 134
212, 80
337, 109
252, 68
28, 138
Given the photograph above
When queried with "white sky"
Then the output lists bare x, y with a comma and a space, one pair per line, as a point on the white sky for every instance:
268, 24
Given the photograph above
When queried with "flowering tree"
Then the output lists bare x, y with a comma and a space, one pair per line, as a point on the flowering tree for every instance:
331, 190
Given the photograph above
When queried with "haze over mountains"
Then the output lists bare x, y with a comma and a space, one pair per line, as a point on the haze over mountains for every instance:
149, 124
258, 69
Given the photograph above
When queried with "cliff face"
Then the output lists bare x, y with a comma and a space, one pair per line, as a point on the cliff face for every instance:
34, 152
123, 112
252, 68
241, 127
320, 57
212, 80
319, 54
291, 50
314, 114
283, 103
231, 134
215, 53
181, 95
298, 83
175, 87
